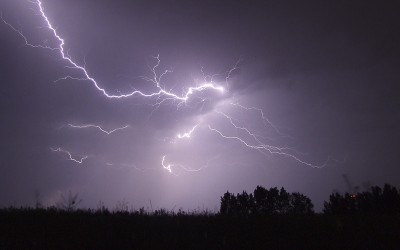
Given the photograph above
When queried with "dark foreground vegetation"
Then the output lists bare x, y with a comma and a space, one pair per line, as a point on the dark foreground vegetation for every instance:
265, 219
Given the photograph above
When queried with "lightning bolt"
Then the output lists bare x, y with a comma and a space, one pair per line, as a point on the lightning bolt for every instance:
161, 95
79, 161
167, 167
98, 127
187, 134
155, 80
265, 148
264, 119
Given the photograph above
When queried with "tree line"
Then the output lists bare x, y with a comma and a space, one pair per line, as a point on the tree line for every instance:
272, 201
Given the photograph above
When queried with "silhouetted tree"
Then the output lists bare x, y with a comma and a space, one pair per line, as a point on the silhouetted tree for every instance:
336, 204
390, 199
38, 200
377, 200
242, 202
300, 204
283, 203
226, 203
70, 202
122, 206
265, 202
272, 201
260, 197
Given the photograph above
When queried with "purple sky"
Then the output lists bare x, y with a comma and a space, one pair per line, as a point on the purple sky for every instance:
324, 74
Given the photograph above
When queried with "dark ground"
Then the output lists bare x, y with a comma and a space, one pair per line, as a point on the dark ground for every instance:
83, 229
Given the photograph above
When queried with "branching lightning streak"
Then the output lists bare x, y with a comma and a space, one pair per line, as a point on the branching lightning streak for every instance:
167, 167
98, 127
74, 65
265, 120
79, 161
266, 148
187, 134
19, 32
251, 134
161, 95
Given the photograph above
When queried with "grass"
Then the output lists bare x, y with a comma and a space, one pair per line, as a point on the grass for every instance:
51, 228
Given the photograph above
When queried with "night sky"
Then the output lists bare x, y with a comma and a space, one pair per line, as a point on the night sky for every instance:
324, 73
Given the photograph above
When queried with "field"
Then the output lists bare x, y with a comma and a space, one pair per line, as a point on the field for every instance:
27, 228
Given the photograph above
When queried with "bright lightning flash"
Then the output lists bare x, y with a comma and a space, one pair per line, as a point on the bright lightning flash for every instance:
187, 134
155, 79
167, 167
79, 161
98, 127
251, 139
